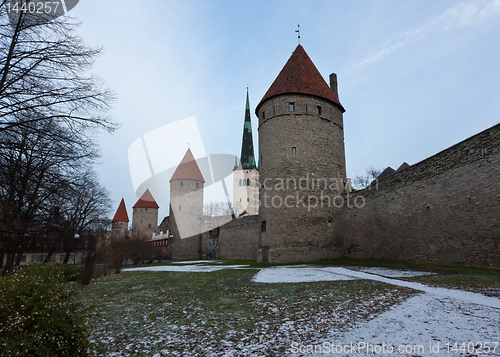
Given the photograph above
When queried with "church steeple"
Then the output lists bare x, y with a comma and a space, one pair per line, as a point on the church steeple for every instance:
247, 155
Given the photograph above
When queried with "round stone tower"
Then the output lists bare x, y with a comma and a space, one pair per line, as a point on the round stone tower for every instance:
302, 164
186, 197
119, 224
145, 215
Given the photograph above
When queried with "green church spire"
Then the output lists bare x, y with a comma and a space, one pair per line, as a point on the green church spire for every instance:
247, 155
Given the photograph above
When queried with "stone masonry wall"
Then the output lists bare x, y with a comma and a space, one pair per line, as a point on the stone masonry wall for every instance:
239, 239
442, 210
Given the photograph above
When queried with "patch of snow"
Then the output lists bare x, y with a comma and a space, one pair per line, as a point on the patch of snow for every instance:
187, 268
196, 262
309, 274
391, 272
424, 320
297, 274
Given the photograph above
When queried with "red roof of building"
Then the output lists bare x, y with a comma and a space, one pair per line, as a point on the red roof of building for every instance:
121, 213
188, 169
146, 201
403, 166
300, 75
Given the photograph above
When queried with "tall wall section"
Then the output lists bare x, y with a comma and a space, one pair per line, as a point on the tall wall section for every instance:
239, 239
442, 210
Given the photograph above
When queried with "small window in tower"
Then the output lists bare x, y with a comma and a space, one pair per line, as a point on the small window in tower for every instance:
241, 183
244, 182
248, 200
248, 182
149, 225
240, 199
263, 226
179, 208
274, 110
182, 183
291, 106
260, 163
263, 115
197, 185
294, 152
318, 109
146, 209
141, 220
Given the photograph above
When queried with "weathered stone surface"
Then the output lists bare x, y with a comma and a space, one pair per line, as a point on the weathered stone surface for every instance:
442, 210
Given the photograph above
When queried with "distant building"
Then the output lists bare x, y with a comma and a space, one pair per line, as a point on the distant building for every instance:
145, 215
119, 224
246, 174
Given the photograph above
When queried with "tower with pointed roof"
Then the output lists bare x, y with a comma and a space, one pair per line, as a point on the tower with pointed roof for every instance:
246, 174
145, 214
119, 224
186, 198
301, 164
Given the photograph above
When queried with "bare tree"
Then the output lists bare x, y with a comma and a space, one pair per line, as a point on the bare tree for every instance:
361, 182
215, 209
36, 163
83, 206
44, 75
50, 108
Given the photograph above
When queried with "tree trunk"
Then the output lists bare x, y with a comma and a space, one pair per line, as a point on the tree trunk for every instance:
66, 258
19, 257
49, 255
1, 258
9, 263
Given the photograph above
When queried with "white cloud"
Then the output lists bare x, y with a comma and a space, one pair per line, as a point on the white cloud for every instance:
465, 14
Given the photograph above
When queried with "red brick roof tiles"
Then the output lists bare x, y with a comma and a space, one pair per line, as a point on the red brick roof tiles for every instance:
121, 213
188, 169
300, 75
146, 201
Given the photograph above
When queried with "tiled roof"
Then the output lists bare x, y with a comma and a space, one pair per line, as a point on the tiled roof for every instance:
300, 75
121, 213
146, 201
388, 171
188, 169
403, 166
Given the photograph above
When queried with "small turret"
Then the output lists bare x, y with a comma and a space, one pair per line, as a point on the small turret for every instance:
145, 214
120, 221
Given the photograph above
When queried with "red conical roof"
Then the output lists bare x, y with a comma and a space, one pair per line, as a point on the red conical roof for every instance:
121, 213
300, 75
146, 201
188, 169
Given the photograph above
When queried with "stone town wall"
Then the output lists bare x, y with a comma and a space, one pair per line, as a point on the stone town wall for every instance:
442, 210
239, 239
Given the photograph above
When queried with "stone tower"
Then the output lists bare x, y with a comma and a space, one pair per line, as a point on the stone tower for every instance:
246, 175
302, 164
186, 197
119, 227
145, 215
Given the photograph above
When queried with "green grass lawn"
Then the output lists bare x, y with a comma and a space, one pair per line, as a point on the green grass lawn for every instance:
205, 314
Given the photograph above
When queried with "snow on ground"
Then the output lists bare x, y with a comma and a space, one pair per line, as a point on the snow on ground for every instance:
425, 325
417, 324
297, 274
391, 272
198, 262
188, 268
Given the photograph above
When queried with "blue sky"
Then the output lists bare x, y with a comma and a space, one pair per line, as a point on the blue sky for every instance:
415, 77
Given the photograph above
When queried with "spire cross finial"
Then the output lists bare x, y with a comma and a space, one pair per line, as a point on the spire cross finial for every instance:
298, 32
189, 146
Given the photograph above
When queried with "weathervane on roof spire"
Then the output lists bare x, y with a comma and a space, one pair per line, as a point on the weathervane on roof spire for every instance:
298, 32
